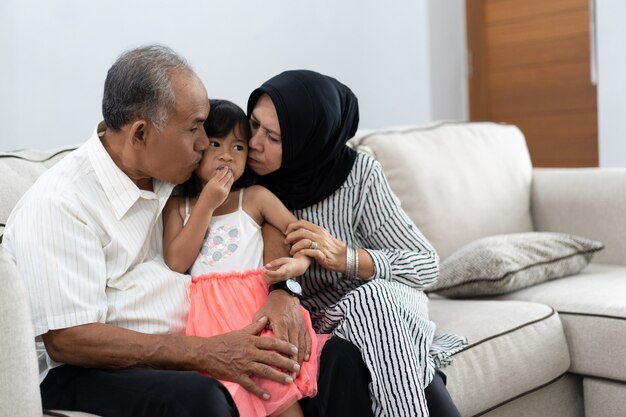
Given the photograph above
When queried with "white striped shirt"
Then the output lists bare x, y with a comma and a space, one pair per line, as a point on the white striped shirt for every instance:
387, 317
365, 213
88, 243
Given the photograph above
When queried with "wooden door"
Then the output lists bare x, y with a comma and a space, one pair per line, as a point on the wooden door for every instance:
530, 65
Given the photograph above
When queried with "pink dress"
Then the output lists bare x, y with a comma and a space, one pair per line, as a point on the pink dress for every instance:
225, 296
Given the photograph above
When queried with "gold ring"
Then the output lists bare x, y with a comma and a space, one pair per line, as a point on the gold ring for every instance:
313, 245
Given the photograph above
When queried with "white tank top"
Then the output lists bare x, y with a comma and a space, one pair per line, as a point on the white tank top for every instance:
233, 242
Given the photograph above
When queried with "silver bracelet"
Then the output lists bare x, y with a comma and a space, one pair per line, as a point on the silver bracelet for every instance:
349, 263
356, 262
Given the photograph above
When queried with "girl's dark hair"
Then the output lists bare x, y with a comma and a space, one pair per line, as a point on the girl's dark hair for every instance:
224, 117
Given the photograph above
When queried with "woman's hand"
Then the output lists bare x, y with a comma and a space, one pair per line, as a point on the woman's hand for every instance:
286, 321
315, 242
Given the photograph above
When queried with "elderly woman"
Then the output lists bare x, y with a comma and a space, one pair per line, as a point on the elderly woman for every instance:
372, 262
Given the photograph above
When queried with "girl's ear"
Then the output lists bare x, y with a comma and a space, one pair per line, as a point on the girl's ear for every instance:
138, 133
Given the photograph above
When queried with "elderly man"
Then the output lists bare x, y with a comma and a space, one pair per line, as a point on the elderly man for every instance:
108, 314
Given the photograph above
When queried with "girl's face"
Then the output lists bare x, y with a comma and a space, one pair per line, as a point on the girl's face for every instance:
230, 152
266, 148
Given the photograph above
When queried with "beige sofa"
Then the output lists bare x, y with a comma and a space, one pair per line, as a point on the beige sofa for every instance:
552, 349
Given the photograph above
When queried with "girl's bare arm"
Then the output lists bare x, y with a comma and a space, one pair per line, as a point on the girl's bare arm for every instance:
182, 243
273, 211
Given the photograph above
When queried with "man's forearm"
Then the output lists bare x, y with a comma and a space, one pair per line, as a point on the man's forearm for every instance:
232, 356
106, 346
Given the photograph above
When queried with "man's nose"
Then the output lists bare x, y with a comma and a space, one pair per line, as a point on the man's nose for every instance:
202, 143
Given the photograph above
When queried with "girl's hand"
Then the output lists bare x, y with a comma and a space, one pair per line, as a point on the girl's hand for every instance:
217, 188
315, 242
284, 268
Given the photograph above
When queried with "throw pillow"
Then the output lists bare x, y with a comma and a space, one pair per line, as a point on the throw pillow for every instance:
505, 263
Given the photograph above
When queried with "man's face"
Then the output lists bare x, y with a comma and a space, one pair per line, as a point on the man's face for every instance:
175, 152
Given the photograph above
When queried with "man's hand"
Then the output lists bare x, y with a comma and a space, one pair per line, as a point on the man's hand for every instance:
285, 319
236, 356
286, 267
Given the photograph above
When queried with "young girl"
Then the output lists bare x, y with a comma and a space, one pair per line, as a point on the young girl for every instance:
216, 236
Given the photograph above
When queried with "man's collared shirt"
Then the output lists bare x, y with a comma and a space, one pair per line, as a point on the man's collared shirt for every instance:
88, 244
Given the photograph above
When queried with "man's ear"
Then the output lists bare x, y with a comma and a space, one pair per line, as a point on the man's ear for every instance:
138, 133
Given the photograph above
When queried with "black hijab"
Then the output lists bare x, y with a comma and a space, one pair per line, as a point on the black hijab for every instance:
317, 115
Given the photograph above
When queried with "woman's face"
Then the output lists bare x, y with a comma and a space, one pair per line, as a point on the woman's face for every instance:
265, 147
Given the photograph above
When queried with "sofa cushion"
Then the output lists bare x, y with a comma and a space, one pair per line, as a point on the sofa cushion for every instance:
514, 347
604, 398
592, 306
457, 181
505, 263
563, 397
18, 171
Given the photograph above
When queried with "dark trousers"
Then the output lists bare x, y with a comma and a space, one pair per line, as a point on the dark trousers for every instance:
343, 386
438, 399
343, 390
136, 393
343, 383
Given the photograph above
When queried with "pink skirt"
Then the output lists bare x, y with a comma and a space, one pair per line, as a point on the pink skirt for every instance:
225, 301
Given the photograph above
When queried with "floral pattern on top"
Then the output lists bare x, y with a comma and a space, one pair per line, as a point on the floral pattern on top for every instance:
219, 244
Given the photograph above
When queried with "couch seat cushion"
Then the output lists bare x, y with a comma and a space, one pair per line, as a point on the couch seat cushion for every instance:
513, 348
592, 306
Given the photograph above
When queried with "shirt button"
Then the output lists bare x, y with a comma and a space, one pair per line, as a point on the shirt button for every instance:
314, 309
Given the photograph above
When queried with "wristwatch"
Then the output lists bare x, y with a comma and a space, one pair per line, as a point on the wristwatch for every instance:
291, 286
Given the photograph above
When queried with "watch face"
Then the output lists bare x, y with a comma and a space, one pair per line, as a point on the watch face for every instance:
294, 286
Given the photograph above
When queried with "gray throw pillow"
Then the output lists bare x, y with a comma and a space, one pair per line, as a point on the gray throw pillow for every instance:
505, 263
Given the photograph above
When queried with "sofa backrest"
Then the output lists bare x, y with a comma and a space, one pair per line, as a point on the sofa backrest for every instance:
18, 171
457, 181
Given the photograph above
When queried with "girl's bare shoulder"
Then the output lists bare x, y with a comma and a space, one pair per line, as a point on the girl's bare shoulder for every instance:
255, 198
258, 192
174, 202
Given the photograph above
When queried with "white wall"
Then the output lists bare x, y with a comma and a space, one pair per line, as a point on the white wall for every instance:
55, 55
448, 60
406, 59
611, 47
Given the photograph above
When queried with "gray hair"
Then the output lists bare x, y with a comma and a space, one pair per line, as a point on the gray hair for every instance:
138, 86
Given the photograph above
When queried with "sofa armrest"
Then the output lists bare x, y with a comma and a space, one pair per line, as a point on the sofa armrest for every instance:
589, 202
19, 375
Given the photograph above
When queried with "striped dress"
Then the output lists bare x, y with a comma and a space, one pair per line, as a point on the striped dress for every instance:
387, 317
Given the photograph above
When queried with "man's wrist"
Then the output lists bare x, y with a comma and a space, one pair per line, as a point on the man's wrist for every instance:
283, 298
290, 286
